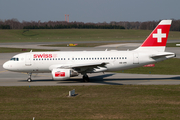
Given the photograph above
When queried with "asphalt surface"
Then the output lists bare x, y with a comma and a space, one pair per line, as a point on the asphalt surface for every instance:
44, 79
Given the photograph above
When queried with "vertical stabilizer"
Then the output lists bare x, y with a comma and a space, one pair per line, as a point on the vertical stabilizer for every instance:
158, 38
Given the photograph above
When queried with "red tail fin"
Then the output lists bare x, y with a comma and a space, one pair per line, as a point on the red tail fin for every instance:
159, 35
156, 41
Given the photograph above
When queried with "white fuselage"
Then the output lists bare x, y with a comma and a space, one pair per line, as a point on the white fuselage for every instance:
35, 62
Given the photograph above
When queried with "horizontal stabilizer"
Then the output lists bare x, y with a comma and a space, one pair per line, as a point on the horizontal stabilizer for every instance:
164, 54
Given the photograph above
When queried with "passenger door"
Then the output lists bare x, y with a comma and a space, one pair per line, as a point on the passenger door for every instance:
135, 58
28, 60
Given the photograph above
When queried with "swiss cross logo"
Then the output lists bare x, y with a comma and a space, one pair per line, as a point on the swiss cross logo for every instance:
59, 74
159, 35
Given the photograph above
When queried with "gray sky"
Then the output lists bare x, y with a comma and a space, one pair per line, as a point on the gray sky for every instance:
90, 10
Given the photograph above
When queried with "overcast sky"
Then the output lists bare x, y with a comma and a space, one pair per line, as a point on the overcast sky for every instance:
90, 10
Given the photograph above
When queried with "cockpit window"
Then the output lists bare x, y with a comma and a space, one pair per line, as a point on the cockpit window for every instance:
14, 59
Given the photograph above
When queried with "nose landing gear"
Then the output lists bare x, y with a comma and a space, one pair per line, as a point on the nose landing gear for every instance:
29, 78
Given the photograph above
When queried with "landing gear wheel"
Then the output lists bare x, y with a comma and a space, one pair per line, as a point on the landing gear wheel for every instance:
85, 78
29, 79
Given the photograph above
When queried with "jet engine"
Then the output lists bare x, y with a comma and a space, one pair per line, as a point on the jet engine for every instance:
63, 74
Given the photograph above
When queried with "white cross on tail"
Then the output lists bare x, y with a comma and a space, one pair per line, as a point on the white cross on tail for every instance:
159, 35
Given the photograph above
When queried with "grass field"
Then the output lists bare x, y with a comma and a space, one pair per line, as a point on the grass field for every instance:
57, 35
92, 102
172, 45
20, 50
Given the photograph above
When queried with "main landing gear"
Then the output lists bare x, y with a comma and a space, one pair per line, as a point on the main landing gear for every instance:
85, 78
29, 78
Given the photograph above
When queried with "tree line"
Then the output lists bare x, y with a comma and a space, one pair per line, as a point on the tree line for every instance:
149, 25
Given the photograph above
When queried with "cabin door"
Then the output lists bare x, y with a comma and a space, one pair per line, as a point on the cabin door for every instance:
28, 60
135, 58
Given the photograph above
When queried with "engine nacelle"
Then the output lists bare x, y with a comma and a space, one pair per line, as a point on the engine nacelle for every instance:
63, 74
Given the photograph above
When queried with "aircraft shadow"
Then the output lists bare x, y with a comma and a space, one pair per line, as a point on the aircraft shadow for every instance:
100, 79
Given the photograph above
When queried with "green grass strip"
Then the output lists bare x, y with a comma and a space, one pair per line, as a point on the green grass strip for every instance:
58, 35
130, 102
20, 50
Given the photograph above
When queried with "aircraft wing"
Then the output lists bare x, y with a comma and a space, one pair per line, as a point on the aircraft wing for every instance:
89, 65
86, 65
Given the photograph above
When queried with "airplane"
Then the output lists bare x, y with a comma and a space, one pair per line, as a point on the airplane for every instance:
65, 64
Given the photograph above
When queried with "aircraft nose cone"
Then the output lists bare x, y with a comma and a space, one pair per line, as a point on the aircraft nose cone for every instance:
5, 66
